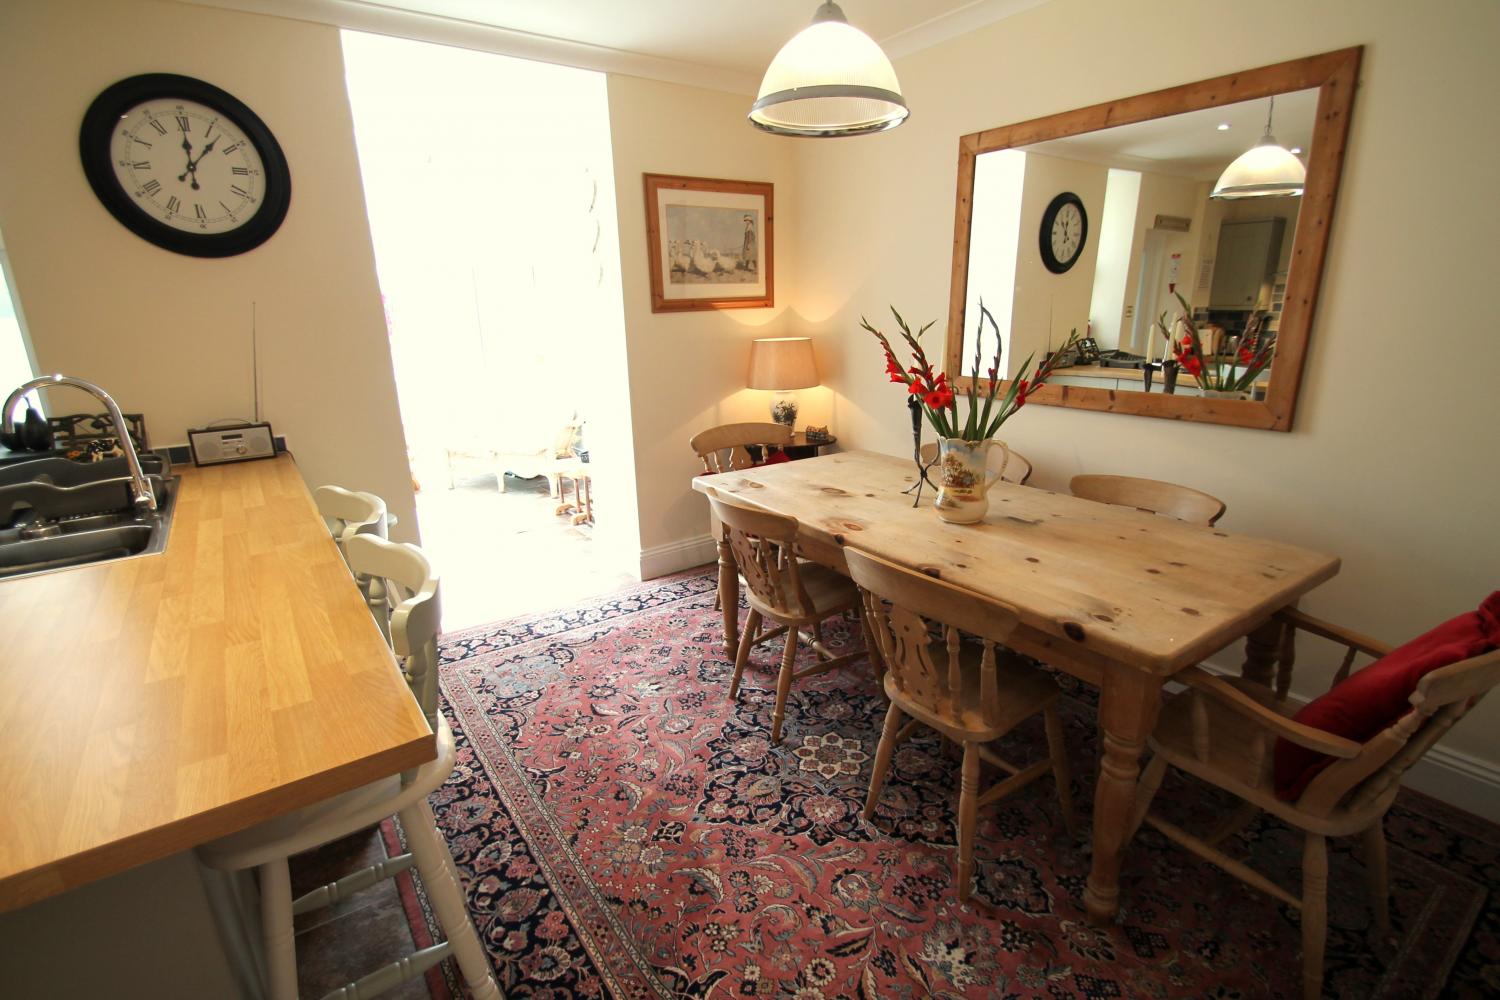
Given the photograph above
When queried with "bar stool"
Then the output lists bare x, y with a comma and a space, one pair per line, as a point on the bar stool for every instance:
348, 513
412, 585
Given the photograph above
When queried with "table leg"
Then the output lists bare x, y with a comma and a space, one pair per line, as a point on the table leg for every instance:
1127, 712
1261, 647
729, 592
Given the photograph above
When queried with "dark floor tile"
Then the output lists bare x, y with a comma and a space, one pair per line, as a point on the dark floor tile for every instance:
331, 862
339, 951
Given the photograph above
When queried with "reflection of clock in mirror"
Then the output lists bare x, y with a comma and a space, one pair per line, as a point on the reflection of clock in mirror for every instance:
185, 165
1065, 230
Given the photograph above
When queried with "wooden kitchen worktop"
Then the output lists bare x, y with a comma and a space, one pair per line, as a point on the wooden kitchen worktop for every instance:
151, 704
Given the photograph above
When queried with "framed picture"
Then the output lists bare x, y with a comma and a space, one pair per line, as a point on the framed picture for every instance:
709, 242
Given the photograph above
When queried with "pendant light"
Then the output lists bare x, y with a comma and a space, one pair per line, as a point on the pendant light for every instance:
831, 79
1264, 170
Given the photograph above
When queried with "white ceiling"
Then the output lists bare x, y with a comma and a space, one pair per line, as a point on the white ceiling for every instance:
712, 43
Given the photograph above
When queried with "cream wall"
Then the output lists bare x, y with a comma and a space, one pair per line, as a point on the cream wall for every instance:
687, 370
1392, 460
169, 335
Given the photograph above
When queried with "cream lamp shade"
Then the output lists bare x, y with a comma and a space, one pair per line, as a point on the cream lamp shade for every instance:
1265, 170
831, 79
782, 363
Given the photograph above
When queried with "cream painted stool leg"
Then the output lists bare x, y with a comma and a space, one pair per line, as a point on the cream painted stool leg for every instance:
276, 929
435, 865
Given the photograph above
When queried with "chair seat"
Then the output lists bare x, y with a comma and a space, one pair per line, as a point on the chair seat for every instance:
1232, 759
1023, 692
325, 821
829, 590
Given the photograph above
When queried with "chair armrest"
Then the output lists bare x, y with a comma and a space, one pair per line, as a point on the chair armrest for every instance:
1227, 694
1337, 633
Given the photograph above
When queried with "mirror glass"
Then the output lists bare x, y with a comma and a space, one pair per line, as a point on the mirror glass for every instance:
1146, 230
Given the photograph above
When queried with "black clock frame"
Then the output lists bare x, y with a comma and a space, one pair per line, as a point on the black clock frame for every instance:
103, 116
1049, 260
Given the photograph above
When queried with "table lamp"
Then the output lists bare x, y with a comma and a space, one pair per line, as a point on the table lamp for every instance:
782, 364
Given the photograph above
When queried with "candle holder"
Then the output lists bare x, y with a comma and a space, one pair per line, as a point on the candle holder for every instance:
916, 450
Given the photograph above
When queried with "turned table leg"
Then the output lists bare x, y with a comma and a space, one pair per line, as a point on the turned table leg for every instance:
1127, 712
1261, 646
729, 592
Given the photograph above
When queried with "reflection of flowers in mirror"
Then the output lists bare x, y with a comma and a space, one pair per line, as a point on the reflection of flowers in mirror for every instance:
1220, 363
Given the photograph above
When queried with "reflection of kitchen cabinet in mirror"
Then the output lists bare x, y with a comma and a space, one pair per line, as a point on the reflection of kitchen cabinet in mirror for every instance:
1143, 169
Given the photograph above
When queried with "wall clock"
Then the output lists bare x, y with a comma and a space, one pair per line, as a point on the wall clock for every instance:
185, 165
1065, 230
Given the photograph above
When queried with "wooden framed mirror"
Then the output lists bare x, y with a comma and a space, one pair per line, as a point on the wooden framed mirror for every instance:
1138, 173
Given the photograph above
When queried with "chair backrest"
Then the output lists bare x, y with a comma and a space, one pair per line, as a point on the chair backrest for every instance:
347, 513
724, 448
1150, 495
1017, 469
900, 606
1442, 697
764, 547
413, 610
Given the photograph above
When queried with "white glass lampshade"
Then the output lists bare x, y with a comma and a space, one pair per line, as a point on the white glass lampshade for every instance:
1264, 170
831, 79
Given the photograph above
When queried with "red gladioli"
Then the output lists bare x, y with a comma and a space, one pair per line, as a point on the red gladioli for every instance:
915, 388
939, 399
899, 376
1246, 357
1193, 366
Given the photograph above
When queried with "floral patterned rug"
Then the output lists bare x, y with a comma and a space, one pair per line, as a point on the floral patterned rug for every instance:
623, 830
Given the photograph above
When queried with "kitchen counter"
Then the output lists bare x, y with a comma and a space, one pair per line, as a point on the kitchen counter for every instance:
150, 704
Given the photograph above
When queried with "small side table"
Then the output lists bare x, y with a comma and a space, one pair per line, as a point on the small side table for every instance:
801, 447
581, 507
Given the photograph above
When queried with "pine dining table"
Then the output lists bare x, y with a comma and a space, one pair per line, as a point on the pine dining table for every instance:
1117, 597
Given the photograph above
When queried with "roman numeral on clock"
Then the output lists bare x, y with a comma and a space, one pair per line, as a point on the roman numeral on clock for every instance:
242, 171
151, 187
198, 211
160, 128
239, 191
182, 123
231, 148
173, 204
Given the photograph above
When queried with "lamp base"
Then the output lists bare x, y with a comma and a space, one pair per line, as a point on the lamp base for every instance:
784, 409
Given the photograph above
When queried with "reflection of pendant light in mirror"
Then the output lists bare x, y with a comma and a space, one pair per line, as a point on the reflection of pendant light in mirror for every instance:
1264, 170
831, 79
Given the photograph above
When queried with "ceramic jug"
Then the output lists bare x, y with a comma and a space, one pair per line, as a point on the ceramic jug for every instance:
964, 478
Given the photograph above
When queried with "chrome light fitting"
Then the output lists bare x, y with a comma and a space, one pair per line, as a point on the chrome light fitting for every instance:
1265, 170
830, 80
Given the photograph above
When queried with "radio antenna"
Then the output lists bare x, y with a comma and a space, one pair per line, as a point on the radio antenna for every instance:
254, 366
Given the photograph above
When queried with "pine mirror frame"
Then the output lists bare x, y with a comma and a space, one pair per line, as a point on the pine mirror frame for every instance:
1335, 74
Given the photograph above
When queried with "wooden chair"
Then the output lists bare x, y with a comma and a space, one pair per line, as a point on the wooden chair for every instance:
971, 696
413, 587
726, 448
1152, 496
780, 588
1223, 730
1017, 469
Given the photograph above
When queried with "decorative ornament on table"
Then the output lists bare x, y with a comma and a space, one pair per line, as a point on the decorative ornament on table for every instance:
964, 479
1221, 374
816, 434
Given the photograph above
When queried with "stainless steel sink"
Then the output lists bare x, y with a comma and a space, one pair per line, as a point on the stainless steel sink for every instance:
56, 514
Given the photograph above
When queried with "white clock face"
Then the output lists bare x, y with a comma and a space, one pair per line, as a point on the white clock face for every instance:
187, 166
1067, 233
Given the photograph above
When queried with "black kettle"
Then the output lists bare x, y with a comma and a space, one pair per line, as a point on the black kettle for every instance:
32, 433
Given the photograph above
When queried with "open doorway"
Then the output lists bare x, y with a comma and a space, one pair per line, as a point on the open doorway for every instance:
489, 186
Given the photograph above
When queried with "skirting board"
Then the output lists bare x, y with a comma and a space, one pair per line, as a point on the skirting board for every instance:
1452, 776
674, 556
